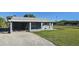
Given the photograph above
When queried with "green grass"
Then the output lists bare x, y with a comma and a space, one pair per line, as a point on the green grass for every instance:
63, 36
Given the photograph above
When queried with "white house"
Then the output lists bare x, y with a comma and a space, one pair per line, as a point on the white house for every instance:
29, 24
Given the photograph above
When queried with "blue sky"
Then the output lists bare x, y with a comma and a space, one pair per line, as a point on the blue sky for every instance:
49, 15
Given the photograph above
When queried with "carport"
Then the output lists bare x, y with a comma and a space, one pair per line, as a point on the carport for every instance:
29, 24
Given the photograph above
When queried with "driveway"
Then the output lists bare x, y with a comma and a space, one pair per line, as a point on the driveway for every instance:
23, 39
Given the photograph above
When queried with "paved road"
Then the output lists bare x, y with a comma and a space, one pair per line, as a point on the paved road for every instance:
23, 39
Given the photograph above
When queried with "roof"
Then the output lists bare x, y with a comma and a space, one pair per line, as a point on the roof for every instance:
27, 19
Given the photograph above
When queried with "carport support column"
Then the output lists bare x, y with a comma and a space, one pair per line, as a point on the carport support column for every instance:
11, 27
41, 25
51, 25
29, 26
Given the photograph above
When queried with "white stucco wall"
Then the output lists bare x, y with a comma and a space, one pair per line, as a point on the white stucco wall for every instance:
45, 27
48, 26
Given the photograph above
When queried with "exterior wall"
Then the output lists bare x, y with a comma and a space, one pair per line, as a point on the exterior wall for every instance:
43, 26
47, 26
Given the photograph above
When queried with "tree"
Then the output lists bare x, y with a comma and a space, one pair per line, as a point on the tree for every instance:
67, 22
3, 23
9, 17
62, 22
29, 15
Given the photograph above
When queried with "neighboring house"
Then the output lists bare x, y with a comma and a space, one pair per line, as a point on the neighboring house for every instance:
29, 24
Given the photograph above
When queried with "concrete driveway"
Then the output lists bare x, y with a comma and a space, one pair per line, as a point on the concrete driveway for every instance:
23, 39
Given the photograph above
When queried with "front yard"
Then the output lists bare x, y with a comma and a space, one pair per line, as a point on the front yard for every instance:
63, 36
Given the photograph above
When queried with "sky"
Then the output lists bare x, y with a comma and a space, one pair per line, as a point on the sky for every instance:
55, 16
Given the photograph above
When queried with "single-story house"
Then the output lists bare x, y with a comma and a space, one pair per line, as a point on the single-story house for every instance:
29, 24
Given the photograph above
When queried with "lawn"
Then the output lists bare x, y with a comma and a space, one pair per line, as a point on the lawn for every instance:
63, 36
